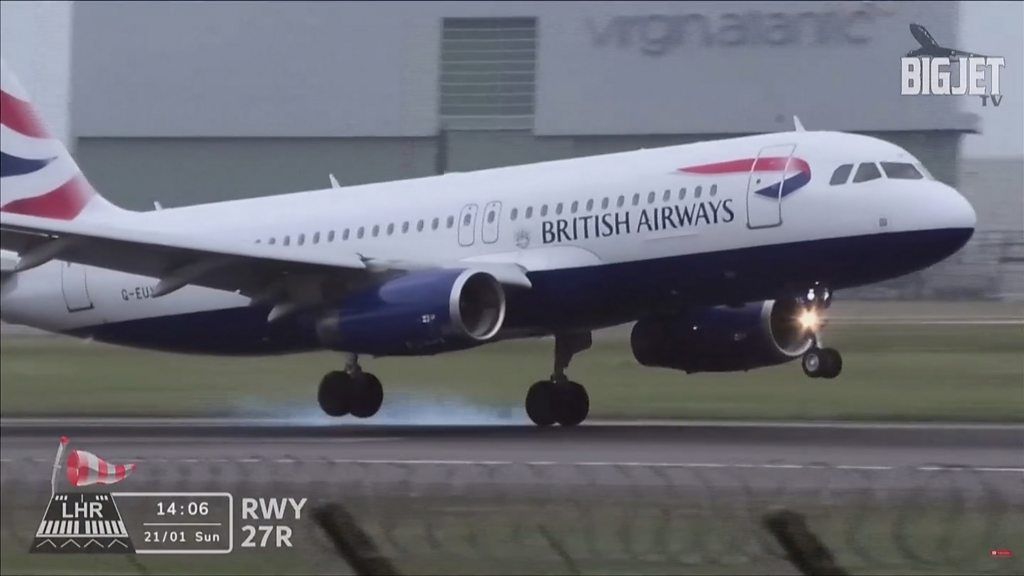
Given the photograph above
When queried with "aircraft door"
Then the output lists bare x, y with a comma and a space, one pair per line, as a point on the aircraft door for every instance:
492, 219
467, 225
765, 185
73, 285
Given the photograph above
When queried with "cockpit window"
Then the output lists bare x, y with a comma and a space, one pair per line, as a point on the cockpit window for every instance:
867, 171
841, 175
901, 171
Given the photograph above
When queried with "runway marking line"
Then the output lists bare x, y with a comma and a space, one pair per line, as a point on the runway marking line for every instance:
859, 467
584, 464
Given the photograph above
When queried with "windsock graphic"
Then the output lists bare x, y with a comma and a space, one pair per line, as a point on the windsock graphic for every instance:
85, 468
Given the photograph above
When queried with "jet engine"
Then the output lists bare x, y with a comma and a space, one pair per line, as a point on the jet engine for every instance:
724, 339
422, 312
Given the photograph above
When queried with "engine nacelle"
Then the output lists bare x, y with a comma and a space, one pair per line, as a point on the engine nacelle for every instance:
722, 339
422, 312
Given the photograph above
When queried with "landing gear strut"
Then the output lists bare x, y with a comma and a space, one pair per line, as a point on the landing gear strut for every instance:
559, 399
351, 391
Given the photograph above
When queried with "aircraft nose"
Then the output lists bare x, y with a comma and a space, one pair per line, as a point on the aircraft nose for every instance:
959, 210
957, 218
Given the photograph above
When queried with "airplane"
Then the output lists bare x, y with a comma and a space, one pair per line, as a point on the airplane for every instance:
930, 48
725, 254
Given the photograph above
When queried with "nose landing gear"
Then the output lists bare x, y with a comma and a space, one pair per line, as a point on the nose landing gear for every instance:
822, 363
351, 391
559, 399
819, 362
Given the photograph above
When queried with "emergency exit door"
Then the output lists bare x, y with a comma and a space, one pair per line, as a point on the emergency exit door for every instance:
467, 225
491, 223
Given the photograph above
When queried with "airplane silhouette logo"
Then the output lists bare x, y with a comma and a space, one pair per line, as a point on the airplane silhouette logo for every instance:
930, 48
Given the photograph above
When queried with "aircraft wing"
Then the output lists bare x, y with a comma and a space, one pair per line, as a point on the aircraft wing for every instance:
175, 260
264, 272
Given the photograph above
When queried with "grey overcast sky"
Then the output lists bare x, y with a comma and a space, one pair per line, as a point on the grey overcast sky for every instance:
996, 29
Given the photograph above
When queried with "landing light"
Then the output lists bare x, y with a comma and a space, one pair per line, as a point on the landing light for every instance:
809, 320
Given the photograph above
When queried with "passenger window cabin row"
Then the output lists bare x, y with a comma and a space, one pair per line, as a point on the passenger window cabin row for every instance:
527, 213
575, 207
869, 171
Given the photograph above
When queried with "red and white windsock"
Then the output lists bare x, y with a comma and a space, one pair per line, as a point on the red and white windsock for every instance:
85, 468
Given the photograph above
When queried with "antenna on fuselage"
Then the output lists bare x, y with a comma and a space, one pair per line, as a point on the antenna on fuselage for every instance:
334, 181
797, 124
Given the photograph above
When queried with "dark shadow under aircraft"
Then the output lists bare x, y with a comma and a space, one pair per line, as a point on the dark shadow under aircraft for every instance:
930, 48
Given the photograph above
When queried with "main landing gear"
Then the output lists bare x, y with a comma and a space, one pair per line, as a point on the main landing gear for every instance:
350, 391
559, 399
819, 362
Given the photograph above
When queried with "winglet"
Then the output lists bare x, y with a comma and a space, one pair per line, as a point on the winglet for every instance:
334, 181
797, 124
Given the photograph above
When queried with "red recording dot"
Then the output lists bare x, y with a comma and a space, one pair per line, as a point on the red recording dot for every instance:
1002, 553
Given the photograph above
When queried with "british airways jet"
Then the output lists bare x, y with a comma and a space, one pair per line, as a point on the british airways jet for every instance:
724, 254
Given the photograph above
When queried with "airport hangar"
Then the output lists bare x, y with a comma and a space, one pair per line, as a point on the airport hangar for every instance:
195, 102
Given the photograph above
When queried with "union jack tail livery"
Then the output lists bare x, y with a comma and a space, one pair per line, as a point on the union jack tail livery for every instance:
38, 175
85, 468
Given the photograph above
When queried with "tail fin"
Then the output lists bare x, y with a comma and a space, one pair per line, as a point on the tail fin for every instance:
38, 177
923, 37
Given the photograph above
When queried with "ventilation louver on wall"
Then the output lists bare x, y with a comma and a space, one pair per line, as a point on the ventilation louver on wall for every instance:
488, 70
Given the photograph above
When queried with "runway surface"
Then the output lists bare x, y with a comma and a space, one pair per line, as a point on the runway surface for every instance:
996, 451
634, 496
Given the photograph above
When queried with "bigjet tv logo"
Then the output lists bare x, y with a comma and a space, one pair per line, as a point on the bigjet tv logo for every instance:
933, 70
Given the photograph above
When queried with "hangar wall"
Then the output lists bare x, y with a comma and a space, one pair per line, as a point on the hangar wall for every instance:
135, 172
296, 69
220, 100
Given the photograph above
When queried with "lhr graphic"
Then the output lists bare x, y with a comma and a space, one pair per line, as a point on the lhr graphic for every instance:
162, 522
82, 523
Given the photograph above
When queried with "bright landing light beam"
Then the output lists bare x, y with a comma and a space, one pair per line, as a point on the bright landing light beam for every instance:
809, 320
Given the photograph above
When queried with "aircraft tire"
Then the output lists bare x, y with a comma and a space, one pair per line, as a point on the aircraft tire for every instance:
334, 394
833, 362
367, 395
813, 363
540, 403
573, 403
